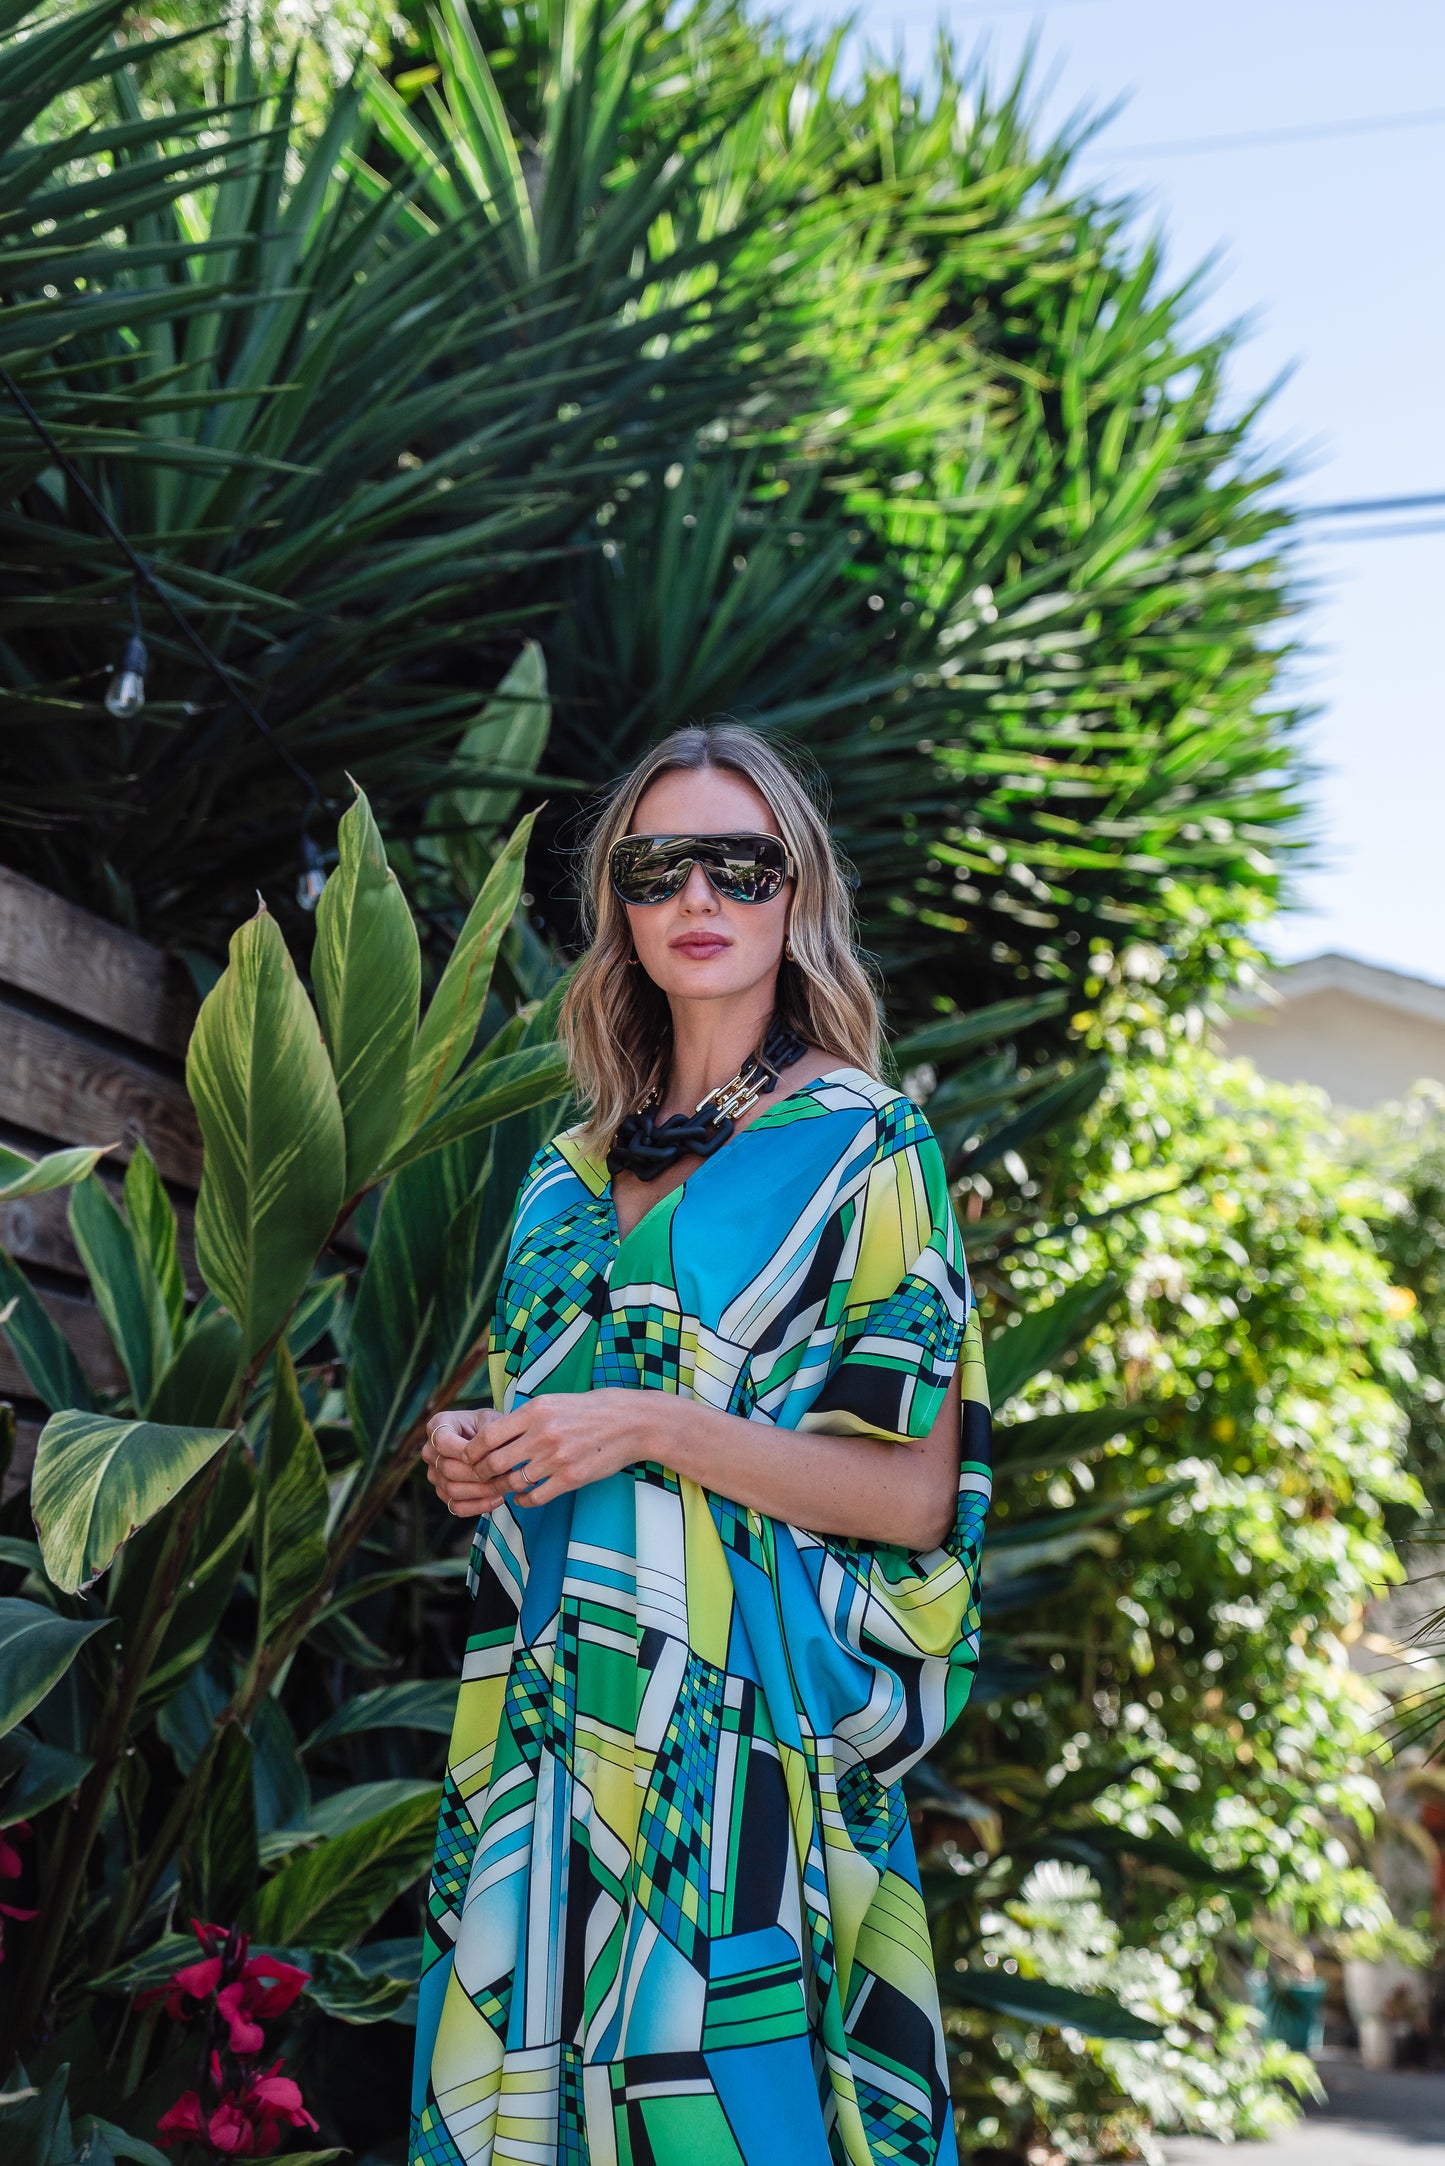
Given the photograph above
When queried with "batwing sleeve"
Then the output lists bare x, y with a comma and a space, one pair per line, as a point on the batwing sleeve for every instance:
905, 1332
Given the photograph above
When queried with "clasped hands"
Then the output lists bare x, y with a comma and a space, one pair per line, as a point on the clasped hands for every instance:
476, 1459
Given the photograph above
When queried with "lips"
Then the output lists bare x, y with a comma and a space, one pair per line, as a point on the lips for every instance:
699, 945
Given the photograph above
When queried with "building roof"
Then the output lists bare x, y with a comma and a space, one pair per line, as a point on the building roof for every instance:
1331, 973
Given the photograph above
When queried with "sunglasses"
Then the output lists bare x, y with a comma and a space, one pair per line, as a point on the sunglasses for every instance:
742, 868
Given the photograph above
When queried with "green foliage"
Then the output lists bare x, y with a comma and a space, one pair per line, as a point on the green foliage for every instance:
207, 1585
1168, 1751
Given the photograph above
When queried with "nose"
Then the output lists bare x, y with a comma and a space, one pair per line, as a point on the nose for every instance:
697, 893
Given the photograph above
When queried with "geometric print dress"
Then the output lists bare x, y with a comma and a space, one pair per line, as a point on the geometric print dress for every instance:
674, 1916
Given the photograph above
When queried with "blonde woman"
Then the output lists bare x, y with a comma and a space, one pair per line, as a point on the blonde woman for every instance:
730, 1504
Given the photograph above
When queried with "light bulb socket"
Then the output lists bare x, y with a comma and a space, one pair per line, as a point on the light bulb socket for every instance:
125, 695
313, 875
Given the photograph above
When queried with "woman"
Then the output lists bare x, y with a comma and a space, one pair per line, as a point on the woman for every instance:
675, 1917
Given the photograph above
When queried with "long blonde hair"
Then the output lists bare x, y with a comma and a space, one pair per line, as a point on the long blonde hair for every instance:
616, 1024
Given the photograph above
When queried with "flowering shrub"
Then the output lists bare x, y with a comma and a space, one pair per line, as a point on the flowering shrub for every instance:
238, 2111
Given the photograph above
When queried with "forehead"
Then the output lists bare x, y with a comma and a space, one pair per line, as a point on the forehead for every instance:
702, 801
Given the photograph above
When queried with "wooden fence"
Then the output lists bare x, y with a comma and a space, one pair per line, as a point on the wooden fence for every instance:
93, 1030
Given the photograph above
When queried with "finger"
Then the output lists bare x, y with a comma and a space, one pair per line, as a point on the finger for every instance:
544, 1492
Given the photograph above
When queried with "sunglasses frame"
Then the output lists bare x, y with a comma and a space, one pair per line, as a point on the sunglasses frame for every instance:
752, 835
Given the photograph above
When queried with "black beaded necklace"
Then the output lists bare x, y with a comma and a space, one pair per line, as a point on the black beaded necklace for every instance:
643, 1147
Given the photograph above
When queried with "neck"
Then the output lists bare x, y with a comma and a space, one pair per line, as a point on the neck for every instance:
710, 1041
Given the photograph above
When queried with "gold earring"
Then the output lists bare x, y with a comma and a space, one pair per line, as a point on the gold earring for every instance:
788, 948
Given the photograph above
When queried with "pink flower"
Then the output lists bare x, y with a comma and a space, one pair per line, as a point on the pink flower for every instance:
184, 2120
11, 1862
245, 1987
11, 1867
243, 2124
266, 1987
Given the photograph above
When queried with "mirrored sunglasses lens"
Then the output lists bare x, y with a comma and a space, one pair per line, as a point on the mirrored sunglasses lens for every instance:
644, 873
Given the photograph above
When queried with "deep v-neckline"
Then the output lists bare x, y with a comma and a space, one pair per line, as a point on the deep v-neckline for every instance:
621, 1239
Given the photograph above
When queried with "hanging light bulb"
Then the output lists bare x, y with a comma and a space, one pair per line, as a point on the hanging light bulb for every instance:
125, 695
313, 877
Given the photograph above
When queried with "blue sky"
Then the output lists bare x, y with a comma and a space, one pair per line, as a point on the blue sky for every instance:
1333, 250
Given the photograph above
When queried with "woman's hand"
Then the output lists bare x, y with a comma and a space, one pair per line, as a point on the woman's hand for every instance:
451, 1440
558, 1441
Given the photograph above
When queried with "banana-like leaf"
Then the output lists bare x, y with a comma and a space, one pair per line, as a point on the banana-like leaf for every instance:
41, 1348
450, 1023
275, 1159
152, 1220
35, 1775
98, 1479
125, 1287
509, 739
217, 1555
1064, 1102
490, 1091
36, 1650
200, 1383
1052, 1440
1041, 1338
330, 1896
219, 1863
1034, 2000
953, 1035
21, 1176
291, 1558
367, 972
424, 1703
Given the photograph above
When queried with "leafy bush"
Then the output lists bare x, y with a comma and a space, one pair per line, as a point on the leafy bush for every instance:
217, 1546
1178, 1718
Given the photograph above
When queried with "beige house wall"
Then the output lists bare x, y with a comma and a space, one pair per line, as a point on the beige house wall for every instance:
1358, 1050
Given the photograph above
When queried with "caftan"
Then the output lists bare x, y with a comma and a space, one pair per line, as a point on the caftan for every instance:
674, 1917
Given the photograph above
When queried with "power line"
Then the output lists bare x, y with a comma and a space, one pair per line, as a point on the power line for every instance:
1314, 131
1379, 533
1359, 506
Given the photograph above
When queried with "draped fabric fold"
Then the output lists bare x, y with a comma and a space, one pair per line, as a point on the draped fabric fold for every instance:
674, 1913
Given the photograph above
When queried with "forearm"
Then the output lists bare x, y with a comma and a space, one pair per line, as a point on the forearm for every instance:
871, 1490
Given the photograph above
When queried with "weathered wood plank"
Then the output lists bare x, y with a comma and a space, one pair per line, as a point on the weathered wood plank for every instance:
17, 1474
64, 1087
35, 1230
77, 962
80, 1321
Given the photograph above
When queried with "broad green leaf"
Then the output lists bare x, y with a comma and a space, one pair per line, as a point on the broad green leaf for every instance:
41, 1348
218, 1552
330, 1896
152, 1220
21, 1176
98, 1479
200, 1383
509, 739
1051, 1440
361, 1802
493, 1092
367, 971
219, 1865
279, 1778
275, 1163
36, 1650
125, 1287
449, 1025
952, 1035
424, 1703
93, 2129
1044, 1335
341, 1988
291, 1559
35, 1775
1033, 2000
35, 2123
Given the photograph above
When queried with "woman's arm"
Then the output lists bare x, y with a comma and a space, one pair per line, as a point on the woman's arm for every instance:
858, 1486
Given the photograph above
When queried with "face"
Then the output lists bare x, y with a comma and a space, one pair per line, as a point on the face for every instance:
698, 945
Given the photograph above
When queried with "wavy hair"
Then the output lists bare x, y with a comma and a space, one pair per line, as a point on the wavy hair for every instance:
615, 1022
